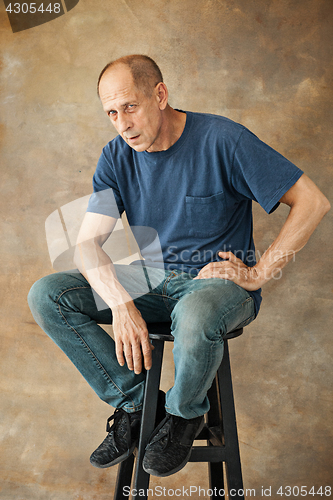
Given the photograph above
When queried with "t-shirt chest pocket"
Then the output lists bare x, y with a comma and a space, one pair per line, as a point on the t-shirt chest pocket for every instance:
206, 215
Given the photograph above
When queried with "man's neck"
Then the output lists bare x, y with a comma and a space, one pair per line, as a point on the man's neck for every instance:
172, 127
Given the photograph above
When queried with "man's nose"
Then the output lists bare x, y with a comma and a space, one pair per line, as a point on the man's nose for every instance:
124, 122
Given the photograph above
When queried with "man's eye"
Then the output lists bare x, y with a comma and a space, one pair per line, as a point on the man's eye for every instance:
112, 113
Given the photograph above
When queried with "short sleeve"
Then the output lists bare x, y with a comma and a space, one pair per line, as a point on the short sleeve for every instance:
106, 199
261, 173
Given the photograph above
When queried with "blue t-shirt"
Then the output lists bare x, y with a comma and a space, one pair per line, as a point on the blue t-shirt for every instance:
198, 193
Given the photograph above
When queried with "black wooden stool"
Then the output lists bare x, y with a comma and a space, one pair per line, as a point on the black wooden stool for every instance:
220, 430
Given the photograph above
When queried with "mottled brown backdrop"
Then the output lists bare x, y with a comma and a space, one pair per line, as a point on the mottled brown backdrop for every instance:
264, 63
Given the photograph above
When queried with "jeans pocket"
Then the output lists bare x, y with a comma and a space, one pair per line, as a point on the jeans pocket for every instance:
206, 215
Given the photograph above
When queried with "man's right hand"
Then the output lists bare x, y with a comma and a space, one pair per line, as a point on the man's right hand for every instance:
131, 337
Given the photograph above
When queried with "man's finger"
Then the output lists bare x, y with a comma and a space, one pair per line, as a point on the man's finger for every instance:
120, 353
137, 358
229, 255
147, 348
128, 356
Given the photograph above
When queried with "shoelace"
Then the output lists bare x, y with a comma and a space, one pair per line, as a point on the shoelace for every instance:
118, 414
168, 424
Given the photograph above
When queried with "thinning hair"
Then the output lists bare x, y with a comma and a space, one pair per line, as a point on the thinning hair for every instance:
145, 72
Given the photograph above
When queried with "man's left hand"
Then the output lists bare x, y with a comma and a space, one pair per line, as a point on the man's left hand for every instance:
232, 269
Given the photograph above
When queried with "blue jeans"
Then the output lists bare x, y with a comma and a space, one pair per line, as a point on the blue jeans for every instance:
202, 311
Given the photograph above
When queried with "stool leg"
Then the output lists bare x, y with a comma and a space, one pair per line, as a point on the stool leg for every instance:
214, 419
141, 480
233, 463
124, 478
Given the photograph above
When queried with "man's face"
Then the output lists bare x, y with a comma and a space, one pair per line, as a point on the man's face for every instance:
136, 117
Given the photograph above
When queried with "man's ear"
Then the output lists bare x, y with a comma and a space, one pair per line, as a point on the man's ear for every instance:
162, 95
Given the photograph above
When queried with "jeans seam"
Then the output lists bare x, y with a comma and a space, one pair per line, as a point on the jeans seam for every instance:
206, 370
164, 294
99, 364
249, 299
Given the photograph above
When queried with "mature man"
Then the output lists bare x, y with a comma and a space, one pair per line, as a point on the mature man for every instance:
192, 178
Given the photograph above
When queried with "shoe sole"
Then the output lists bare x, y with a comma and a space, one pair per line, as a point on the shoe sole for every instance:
116, 461
153, 472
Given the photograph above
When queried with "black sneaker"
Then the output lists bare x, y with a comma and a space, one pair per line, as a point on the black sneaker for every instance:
122, 436
121, 439
169, 447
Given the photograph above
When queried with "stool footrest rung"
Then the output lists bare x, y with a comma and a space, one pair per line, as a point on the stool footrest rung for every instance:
208, 454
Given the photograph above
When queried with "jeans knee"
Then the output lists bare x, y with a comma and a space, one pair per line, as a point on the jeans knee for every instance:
39, 297
197, 322
34, 295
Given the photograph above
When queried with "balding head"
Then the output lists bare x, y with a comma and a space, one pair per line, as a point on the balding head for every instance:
145, 72
135, 99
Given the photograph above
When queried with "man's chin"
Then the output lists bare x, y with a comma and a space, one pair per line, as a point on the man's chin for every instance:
138, 148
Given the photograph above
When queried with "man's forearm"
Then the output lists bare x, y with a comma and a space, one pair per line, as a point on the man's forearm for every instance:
300, 224
303, 218
96, 266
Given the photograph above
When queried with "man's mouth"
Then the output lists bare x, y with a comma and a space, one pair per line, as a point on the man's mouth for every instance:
133, 138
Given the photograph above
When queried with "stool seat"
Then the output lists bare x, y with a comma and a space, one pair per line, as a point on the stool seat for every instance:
161, 331
220, 431
161, 336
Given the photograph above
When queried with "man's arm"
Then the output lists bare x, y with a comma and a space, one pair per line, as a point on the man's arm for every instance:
308, 205
129, 328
